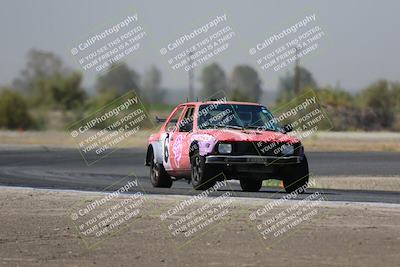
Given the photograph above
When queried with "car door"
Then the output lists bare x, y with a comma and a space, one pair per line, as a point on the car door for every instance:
170, 127
180, 142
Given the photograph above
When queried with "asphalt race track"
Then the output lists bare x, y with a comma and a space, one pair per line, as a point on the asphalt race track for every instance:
65, 169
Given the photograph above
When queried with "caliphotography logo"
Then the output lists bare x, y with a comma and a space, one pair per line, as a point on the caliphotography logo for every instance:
98, 218
286, 47
103, 131
199, 46
110, 45
196, 216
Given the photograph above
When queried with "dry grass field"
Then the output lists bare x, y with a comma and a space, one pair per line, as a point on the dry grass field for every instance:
321, 141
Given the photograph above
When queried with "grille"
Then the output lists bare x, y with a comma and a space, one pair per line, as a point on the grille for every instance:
260, 148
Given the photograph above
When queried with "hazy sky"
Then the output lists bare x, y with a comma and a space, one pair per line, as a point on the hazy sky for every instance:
361, 43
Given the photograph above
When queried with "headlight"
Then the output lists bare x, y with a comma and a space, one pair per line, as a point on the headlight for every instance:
287, 149
225, 148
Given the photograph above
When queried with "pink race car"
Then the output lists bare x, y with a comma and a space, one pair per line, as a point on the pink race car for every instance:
204, 142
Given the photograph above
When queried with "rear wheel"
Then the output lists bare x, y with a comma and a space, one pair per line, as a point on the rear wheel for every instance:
296, 177
158, 176
202, 176
249, 185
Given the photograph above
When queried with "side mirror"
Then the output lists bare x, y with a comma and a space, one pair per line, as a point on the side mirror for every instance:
160, 120
287, 128
186, 127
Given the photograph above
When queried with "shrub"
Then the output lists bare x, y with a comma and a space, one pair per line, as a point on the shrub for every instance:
13, 111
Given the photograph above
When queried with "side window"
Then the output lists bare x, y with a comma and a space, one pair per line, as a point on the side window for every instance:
171, 124
186, 125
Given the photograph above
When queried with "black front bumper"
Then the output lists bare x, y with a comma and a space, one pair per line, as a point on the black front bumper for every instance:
252, 159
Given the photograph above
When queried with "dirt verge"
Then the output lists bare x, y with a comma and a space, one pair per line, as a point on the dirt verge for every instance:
37, 230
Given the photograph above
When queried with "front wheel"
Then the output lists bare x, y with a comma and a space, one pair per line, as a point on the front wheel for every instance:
296, 177
202, 176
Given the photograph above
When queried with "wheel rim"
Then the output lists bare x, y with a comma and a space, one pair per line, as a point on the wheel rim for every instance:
154, 172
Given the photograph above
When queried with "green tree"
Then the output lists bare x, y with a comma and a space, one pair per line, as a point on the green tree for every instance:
377, 102
213, 79
40, 65
341, 108
395, 91
286, 84
245, 84
152, 86
237, 95
335, 97
14, 111
62, 92
119, 77
101, 100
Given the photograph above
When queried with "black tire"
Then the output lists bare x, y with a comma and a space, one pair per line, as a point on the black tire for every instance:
158, 176
202, 176
249, 185
296, 177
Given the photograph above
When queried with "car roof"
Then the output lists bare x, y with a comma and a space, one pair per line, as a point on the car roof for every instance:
197, 103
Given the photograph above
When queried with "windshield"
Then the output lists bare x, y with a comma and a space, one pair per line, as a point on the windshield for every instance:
236, 117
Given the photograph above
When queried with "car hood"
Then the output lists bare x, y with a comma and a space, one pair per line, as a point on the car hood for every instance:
228, 135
